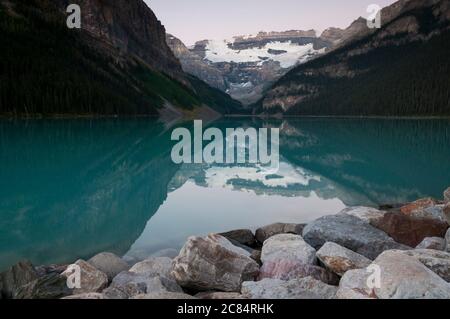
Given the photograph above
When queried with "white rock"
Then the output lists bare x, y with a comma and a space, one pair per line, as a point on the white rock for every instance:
435, 243
154, 266
305, 288
288, 247
401, 277
366, 214
436, 261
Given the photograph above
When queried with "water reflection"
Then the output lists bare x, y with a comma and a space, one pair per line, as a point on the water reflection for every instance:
72, 188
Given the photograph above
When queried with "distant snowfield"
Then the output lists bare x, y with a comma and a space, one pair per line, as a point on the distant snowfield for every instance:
218, 51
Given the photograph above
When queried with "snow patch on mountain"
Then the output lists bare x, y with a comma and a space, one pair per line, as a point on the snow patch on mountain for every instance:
288, 54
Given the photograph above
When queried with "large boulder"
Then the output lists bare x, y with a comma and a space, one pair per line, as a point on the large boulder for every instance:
411, 230
154, 266
52, 286
339, 259
436, 261
264, 233
401, 277
91, 279
288, 247
132, 284
350, 232
15, 277
367, 214
109, 263
242, 236
286, 269
168, 252
426, 208
436, 243
305, 288
213, 263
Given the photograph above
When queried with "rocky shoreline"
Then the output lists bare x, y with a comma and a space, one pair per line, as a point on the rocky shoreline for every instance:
395, 252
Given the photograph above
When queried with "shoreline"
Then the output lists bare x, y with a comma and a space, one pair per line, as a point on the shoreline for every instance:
324, 259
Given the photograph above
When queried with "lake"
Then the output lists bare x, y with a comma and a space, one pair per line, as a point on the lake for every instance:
72, 188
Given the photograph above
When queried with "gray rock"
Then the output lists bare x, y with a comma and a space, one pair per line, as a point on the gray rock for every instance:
436, 243
91, 295
366, 214
350, 232
92, 279
264, 233
447, 241
219, 239
401, 277
168, 252
52, 286
288, 269
436, 261
213, 264
288, 247
132, 284
305, 288
109, 263
339, 259
218, 295
242, 236
447, 195
114, 293
15, 277
154, 266
164, 296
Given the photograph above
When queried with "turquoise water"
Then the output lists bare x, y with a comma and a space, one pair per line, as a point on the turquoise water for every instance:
72, 188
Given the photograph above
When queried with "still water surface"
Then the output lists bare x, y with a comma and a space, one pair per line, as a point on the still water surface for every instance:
72, 188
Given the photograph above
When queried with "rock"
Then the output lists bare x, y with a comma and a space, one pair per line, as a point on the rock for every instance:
339, 259
206, 264
109, 263
401, 277
446, 212
52, 286
350, 232
367, 214
222, 241
256, 256
435, 243
447, 241
436, 261
50, 269
219, 295
418, 205
242, 236
264, 233
169, 252
133, 284
114, 293
15, 277
410, 230
288, 247
91, 295
91, 279
154, 266
447, 195
165, 296
305, 288
288, 269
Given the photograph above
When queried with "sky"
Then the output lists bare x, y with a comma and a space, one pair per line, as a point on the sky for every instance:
194, 20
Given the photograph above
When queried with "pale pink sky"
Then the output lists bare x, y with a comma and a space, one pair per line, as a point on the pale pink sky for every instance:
193, 20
